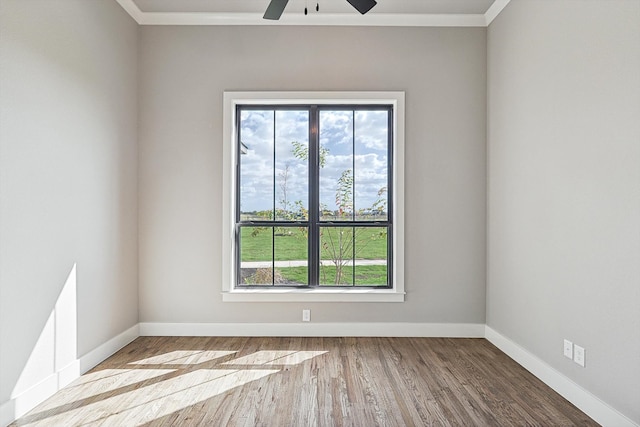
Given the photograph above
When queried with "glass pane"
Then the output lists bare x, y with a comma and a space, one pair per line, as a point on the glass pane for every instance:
336, 256
256, 256
336, 165
371, 256
371, 165
256, 165
292, 165
291, 244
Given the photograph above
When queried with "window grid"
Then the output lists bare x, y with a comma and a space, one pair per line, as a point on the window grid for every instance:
314, 222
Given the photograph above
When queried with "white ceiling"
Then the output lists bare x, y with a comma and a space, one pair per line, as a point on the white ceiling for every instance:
476, 13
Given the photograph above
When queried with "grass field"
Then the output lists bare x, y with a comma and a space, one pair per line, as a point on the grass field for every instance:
290, 243
336, 243
369, 275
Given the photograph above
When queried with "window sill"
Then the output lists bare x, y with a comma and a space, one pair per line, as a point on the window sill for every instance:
313, 295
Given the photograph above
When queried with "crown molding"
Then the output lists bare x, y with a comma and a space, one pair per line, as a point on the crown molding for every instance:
494, 10
327, 19
132, 9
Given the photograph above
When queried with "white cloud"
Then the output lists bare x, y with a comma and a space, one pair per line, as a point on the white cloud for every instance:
371, 130
336, 130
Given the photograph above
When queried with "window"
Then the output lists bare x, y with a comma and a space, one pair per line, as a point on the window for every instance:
313, 195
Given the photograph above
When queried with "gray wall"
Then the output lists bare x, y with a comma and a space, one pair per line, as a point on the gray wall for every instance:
564, 188
185, 71
68, 191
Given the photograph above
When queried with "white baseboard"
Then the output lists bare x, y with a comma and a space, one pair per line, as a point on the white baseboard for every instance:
581, 398
38, 393
29, 399
453, 330
7, 413
100, 353
69, 373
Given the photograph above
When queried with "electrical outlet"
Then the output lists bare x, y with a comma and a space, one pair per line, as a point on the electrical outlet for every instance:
306, 315
579, 355
568, 349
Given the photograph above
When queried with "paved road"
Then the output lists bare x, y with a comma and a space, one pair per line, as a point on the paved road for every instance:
303, 263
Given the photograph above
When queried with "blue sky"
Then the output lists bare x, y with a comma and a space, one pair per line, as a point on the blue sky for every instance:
262, 130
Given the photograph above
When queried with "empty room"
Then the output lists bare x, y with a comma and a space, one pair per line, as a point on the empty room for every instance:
319, 212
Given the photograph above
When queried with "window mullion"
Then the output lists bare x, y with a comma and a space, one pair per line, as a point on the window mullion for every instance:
273, 229
238, 181
390, 190
353, 197
314, 197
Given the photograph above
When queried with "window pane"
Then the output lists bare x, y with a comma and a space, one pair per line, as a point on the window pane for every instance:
291, 244
292, 166
336, 165
274, 184
371, 256
256, 165
336, 256
256, 255
371, 165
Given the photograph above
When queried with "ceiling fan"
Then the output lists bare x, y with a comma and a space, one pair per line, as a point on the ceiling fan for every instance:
276, 7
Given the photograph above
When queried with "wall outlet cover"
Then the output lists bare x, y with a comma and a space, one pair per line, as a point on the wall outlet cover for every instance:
568, 349
579, 355
306, 315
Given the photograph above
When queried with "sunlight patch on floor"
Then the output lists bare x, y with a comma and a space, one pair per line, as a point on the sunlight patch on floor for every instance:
202, 388
112, 379
273, 357
183, 357
145, 392
150, 402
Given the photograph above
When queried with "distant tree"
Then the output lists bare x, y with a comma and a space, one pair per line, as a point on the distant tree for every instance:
301, 151
340, 245
284, 187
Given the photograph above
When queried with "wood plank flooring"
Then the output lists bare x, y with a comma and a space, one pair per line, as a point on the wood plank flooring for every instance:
222, 381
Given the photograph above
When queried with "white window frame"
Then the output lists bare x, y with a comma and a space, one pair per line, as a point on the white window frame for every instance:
231, 293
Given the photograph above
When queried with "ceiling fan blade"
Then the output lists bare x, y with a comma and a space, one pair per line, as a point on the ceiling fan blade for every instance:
363, 6
275, 9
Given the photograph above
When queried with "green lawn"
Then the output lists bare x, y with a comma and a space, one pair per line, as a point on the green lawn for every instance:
291, 243
256, 244
369, 275
336, 243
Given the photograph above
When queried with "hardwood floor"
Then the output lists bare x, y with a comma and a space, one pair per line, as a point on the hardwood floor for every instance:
216, 381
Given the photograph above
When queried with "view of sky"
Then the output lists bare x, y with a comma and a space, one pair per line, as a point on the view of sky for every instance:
352, 140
